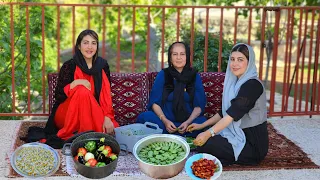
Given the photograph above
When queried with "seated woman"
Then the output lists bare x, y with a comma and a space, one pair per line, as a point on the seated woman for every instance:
239, 133
83, 95
177, 98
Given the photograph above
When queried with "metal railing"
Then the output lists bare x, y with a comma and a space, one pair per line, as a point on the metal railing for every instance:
285, 40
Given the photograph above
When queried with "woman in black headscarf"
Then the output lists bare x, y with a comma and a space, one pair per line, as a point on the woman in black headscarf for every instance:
177, 98
83, 96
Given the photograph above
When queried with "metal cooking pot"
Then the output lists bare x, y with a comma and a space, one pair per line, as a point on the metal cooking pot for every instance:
161, 171
93, 172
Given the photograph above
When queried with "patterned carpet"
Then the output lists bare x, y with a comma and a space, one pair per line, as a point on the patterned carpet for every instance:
283, 154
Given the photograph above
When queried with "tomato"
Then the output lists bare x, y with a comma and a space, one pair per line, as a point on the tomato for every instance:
108, 148
91, 162
83, 151
76, 157
107, 151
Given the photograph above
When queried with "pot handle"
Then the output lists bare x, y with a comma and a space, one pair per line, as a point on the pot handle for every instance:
151, 125
125, 152
66, 149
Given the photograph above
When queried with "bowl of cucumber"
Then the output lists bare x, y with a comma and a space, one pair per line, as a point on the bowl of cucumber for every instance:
161, 156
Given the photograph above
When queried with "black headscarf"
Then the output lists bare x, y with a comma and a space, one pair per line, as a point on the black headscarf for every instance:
97, 62
184, 82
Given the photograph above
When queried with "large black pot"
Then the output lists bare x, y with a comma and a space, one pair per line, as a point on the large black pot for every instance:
93, 172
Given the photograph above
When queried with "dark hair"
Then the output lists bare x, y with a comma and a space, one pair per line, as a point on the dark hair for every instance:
243, 49
91, 33
186, 47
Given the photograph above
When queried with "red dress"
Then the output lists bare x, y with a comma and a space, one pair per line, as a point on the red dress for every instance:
80, 111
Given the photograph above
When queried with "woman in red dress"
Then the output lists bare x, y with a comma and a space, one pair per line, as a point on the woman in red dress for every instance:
83, 95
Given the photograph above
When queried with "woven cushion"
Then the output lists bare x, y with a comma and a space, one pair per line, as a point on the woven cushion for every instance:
130, 95
213, 87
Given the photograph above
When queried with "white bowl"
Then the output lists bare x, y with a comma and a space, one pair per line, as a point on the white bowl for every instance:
204, 156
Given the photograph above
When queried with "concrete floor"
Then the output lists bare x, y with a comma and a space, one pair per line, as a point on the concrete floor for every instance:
301, 130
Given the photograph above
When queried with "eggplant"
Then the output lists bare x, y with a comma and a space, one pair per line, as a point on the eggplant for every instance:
101, 142
81, 159
108, 160
101, 157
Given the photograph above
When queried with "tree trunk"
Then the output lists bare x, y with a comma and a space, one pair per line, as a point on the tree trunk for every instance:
154, 63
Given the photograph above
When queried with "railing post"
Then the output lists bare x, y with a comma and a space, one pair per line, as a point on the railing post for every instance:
43, 61
12, 60
28, 57
274, 59
262, 46
118, 39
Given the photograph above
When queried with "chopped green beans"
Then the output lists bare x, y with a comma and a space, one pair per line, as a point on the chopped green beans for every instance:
35, 161
162, 153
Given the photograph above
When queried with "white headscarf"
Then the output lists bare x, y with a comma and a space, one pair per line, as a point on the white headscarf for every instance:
231, 87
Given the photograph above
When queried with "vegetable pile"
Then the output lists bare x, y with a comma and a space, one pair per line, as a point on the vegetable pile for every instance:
162, 153
35, 161
204, 168
95, 154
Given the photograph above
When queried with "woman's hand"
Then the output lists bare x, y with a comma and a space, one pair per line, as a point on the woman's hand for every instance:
170, 127
183, 127
202, 138
194, 127
108, 126
83, 82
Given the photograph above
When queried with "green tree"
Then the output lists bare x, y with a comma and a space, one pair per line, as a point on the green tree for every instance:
20, 57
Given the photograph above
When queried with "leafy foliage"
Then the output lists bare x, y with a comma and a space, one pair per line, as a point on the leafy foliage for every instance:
212, 52
20, 57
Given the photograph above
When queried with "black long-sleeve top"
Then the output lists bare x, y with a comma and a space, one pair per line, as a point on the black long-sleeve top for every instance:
247, 96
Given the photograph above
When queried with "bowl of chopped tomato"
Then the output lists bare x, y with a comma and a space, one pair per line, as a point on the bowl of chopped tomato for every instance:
203, 166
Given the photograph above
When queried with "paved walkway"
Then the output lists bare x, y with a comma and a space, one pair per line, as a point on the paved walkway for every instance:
301, 130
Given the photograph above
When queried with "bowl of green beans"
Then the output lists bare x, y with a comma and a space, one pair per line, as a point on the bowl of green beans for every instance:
161, 156
35, 160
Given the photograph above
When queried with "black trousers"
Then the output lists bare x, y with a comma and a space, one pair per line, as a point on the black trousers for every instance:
254, 151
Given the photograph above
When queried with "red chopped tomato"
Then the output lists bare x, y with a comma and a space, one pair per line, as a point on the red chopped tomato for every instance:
91, 162
76, 157
204, 168
108, 148
83, 151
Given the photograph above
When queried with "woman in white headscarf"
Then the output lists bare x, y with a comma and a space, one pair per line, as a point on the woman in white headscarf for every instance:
238, 134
